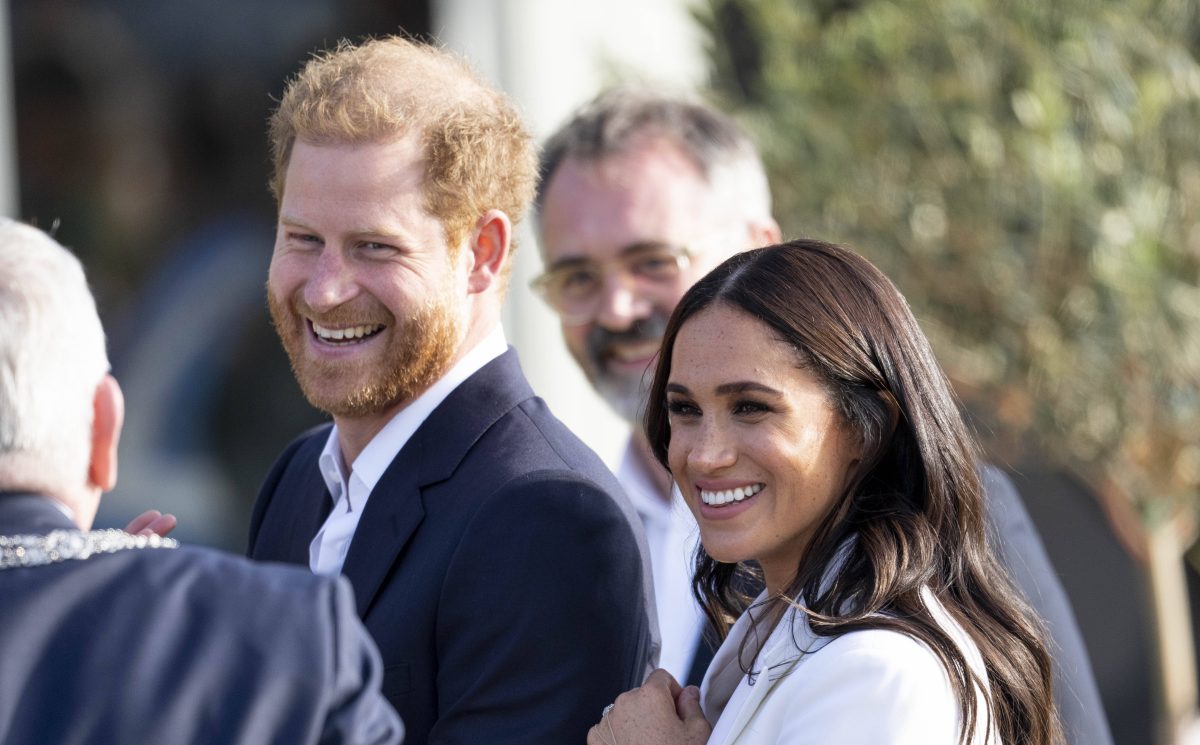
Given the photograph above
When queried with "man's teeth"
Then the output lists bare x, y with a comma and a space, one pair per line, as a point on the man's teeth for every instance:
718, 498
350, 334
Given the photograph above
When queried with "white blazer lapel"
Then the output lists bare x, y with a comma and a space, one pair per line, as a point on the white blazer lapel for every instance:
783, 651
721, 679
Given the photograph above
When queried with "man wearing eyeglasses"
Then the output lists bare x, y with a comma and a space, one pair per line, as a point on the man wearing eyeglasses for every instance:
641, 196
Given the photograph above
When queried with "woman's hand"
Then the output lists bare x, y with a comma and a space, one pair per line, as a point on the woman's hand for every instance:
660, 712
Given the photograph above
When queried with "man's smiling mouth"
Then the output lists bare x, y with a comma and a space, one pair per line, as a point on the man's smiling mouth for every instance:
350, 335
633, 352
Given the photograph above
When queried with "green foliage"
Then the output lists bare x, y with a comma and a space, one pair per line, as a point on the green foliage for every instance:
1028, 173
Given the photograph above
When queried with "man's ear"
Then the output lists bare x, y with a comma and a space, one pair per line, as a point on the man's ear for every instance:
765, 233
108, 415
490, 245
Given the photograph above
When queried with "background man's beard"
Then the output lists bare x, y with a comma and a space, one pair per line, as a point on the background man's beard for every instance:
419, 352
625, 394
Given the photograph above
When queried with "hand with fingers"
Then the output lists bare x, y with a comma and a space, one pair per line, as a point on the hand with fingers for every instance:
151, 522
660, 711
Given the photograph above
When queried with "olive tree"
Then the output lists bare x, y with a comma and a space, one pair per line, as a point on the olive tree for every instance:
1028, 173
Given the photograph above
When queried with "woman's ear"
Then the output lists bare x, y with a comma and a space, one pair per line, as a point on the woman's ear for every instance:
491, 243
108, 415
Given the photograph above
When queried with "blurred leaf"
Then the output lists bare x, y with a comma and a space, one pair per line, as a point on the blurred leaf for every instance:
1029, 175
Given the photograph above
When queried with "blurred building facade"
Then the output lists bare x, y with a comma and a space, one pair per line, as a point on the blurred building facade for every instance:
140, 141
141, 144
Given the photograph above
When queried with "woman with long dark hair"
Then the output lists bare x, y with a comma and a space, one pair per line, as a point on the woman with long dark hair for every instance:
809, 429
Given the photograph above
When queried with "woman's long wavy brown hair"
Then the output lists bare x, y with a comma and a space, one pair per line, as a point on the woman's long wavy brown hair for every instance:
915, 507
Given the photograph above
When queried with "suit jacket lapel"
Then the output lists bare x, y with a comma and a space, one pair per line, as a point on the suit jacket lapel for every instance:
396, 506
393, 512
314, 506
300, 504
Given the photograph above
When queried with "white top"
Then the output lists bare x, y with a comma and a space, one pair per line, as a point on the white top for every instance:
672, 537
327, 552
873, 687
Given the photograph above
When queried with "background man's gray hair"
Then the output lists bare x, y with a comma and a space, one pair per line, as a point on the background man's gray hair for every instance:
620, 118
52, 357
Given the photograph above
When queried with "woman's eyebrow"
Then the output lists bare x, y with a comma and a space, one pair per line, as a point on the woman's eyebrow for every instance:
727, 389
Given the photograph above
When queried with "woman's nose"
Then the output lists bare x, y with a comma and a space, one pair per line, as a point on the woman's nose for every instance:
712, 449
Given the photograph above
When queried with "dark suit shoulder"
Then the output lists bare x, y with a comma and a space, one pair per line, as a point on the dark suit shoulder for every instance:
529, 439
553, 550
211, 570
224, 594
555, 498
193, 645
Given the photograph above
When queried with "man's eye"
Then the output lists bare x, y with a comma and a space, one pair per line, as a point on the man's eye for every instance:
578, 282
303, 237
376, 246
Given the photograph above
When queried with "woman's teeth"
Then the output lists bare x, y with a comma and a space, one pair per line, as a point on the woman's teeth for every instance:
718, 498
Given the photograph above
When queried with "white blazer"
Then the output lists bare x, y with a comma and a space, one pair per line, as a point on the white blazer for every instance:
872, 687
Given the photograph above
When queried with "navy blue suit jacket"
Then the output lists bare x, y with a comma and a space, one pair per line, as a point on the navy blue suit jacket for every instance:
498, 565
180, 646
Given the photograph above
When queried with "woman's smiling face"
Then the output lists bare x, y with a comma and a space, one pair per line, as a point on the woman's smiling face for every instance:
756, 447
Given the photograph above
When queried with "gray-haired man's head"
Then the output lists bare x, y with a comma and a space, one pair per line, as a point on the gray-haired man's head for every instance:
641, 195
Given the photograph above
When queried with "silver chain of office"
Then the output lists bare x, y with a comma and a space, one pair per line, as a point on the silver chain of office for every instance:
17, 551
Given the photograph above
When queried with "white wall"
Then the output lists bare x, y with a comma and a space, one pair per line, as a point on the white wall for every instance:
551, 56
8, 148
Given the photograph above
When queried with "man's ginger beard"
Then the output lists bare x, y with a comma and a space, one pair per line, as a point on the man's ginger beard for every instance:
418, 353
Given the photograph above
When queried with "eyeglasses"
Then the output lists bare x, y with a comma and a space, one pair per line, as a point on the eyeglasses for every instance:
574, 287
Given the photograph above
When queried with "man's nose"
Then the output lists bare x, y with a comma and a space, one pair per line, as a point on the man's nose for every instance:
621, 304
332, 281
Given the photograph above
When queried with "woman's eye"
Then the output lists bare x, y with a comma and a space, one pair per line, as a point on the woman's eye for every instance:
678, 408
750, 408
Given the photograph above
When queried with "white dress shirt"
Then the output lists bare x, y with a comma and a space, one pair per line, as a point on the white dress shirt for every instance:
327, 552
672, 537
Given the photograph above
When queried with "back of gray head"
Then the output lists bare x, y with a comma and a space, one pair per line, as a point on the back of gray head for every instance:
52, 357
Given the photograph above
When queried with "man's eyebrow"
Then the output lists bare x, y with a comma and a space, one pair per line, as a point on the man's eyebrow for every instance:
379, 232
293, 222
568, 262
640, 246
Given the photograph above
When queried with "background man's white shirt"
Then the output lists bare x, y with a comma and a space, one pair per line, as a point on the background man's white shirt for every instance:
672, 536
